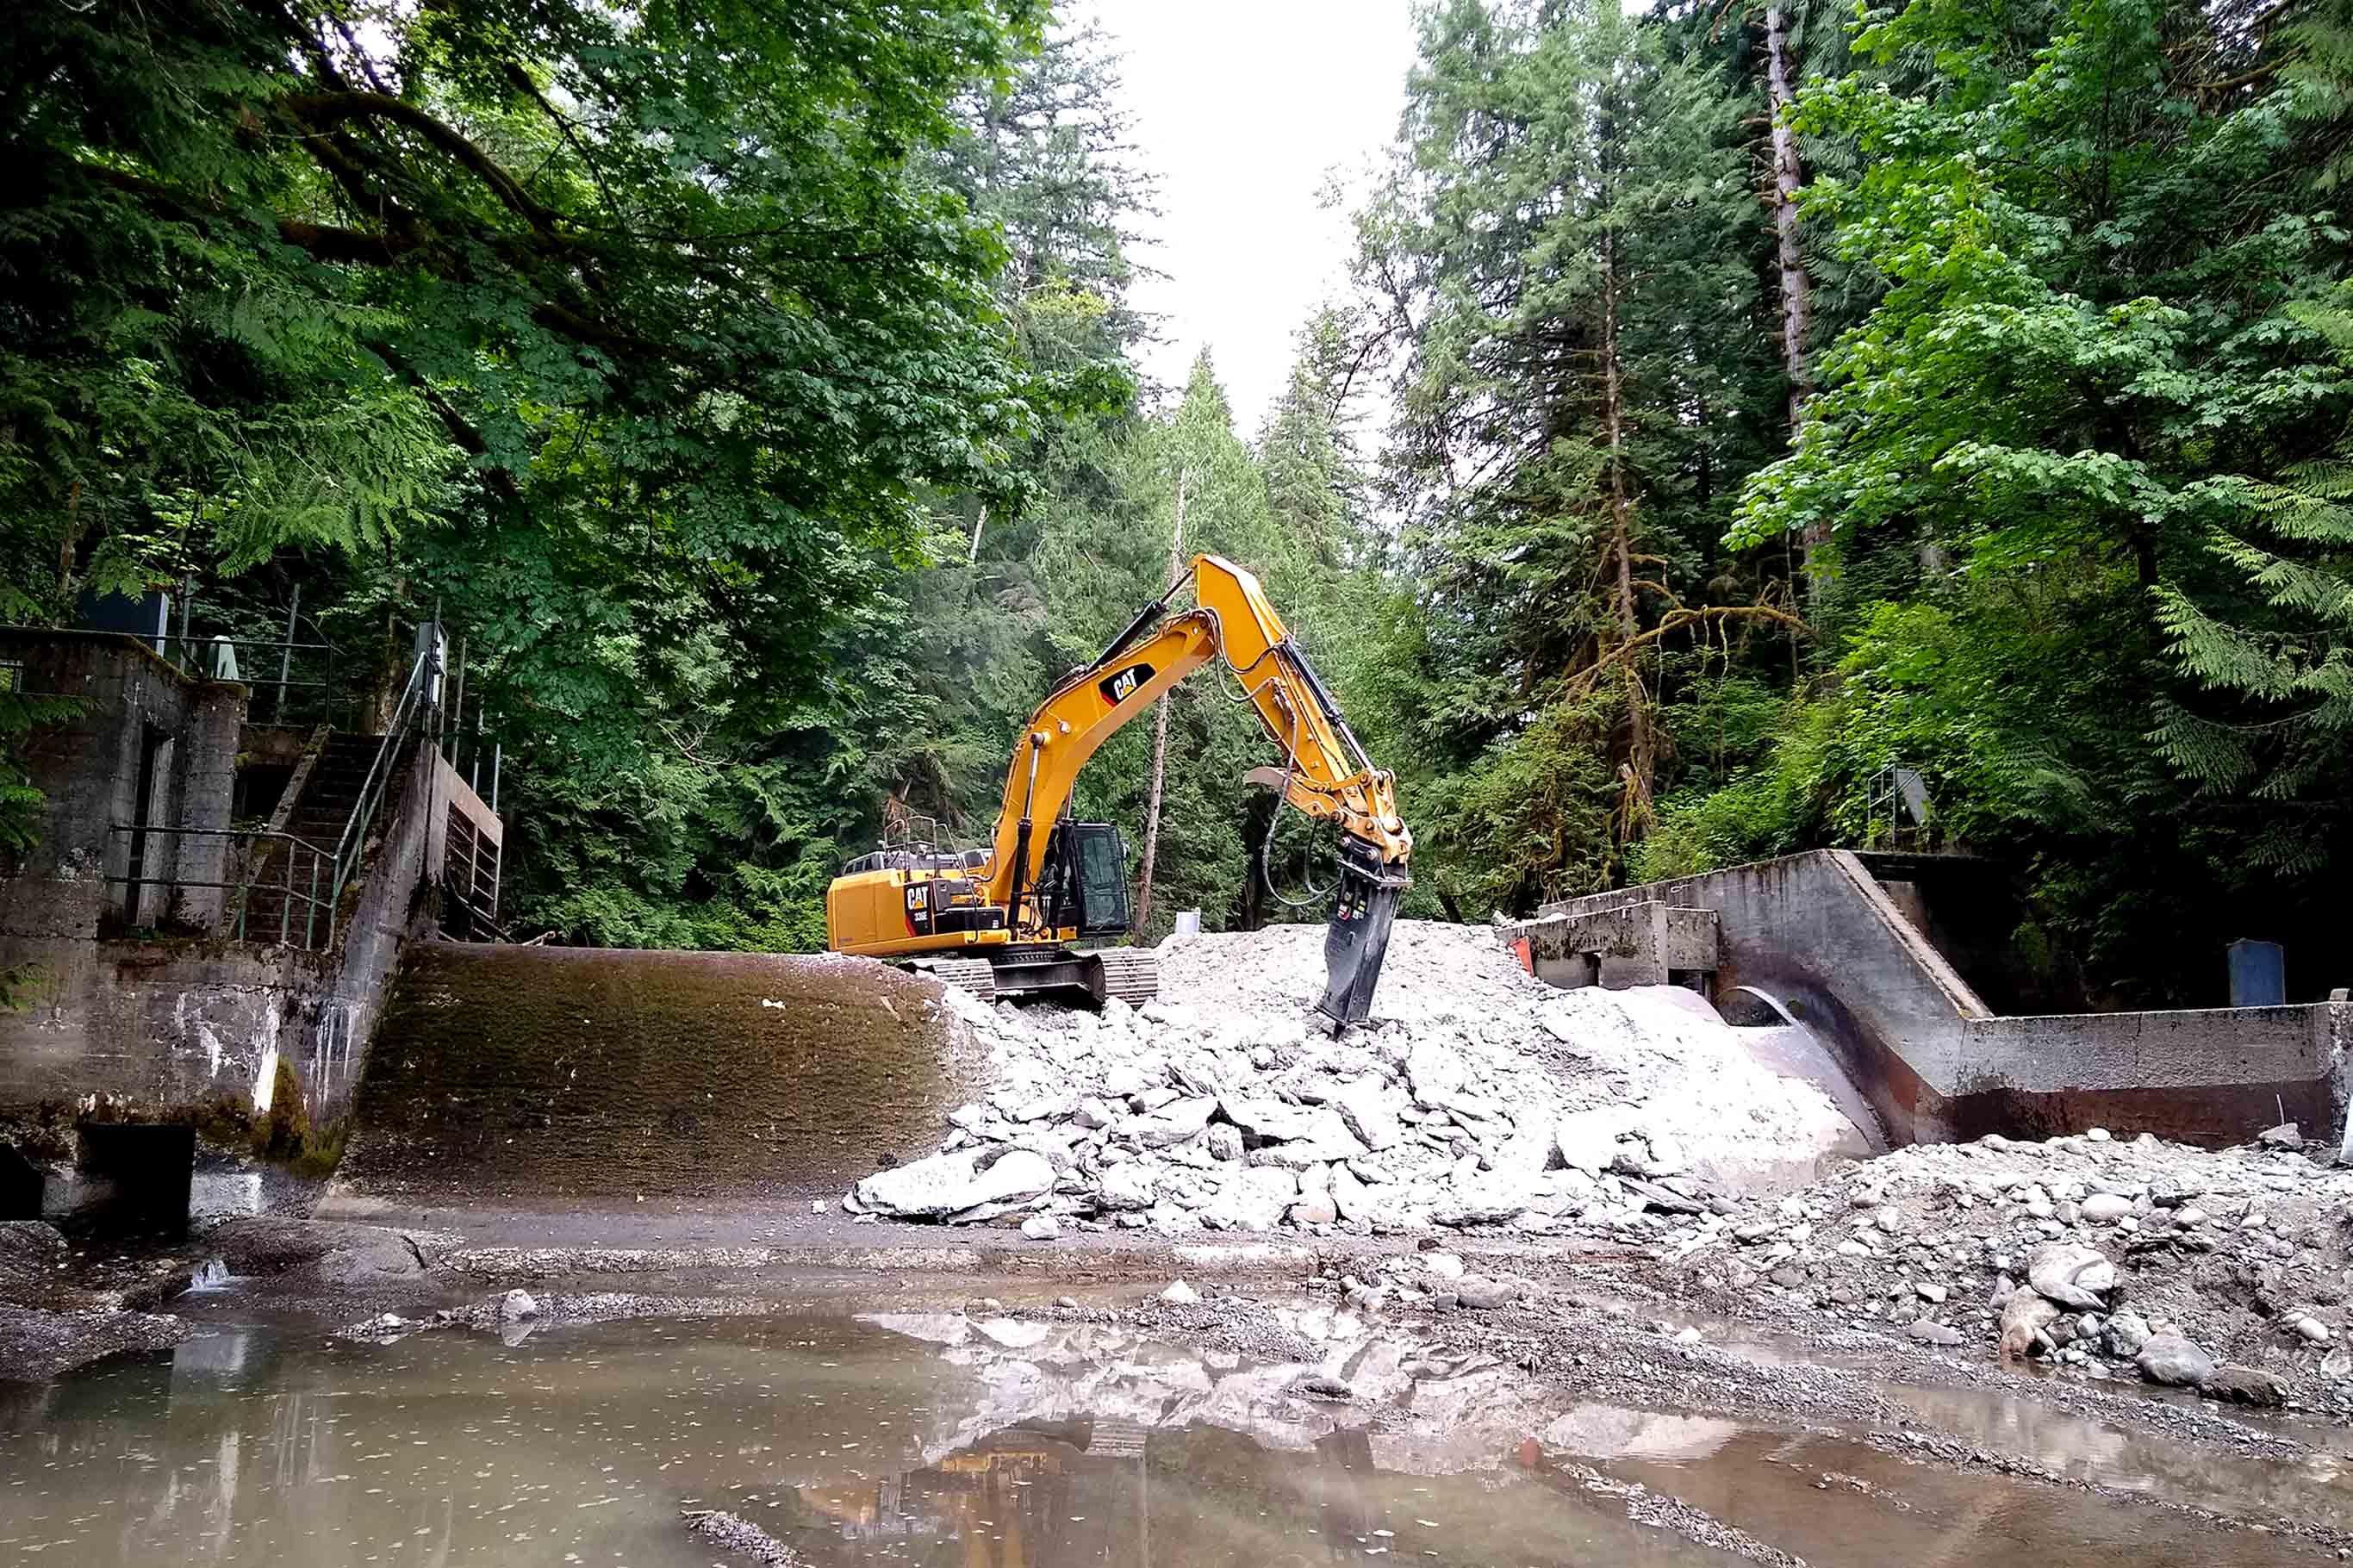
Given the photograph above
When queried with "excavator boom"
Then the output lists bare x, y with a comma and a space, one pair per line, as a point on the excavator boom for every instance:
1036, 865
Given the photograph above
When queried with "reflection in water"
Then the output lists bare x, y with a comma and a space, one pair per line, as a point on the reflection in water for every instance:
932, 1440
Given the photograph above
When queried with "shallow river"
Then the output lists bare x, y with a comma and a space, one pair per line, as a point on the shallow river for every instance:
920, 1439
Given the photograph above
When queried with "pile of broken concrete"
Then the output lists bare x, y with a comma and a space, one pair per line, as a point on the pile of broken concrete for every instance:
1481, 1097
2222, 1271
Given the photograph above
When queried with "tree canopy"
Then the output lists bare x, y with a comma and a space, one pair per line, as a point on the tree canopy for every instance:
1770, 395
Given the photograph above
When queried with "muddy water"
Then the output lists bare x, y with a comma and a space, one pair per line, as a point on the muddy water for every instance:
930, 1439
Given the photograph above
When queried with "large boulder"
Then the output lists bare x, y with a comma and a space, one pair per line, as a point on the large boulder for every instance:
31, 1251
2173, 1360
2024, 1317
36, 1345
329, 1251
2243, 1385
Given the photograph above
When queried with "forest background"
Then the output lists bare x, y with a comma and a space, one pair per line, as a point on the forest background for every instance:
1730, 402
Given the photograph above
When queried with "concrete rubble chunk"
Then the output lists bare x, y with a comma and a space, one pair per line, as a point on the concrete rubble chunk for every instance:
1264, 1116
1316, 1208
1588, 1139
1351, 1196
1254, 1198
1130, 1186
1178, 1121
1370, 1112
2071, 1275
952, 1184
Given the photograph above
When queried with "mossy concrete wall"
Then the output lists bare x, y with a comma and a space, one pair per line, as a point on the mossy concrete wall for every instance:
512, 1075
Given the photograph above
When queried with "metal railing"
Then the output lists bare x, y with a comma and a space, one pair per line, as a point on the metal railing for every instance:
289, 888
299, 678
415, 699
262, 867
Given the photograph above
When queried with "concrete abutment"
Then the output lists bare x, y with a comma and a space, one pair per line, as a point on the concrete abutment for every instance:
1890, 960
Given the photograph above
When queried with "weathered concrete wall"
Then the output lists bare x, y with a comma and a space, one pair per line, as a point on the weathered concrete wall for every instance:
541, 1073
90, 767
1648, 943
164, 1025
1819, 931
2200, 1074
155, 1024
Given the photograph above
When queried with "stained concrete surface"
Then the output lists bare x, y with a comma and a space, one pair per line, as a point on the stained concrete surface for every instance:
558, 1076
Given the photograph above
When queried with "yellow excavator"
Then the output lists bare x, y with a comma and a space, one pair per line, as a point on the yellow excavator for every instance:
1004, 920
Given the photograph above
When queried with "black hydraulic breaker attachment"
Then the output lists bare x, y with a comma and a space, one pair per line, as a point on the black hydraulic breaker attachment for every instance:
1358, 938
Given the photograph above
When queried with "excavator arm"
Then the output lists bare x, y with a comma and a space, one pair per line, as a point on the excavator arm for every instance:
1325, 774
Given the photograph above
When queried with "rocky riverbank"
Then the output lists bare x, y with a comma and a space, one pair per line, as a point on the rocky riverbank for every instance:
2106, 1256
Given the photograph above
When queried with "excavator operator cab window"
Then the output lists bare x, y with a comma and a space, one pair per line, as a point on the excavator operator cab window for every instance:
1101, 878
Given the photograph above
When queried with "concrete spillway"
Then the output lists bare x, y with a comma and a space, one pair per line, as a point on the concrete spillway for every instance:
1902, 965
504, 1073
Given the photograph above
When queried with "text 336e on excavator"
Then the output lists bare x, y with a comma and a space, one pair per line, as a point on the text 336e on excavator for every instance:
1004, 920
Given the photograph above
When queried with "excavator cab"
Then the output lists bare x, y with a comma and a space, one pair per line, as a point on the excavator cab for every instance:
1083, 882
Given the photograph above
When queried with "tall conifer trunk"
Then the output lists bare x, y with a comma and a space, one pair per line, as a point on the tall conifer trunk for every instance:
1641, 750
1160, 731
1796, 288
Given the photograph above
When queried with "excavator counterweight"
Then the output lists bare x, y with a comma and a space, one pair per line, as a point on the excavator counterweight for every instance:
1004, 920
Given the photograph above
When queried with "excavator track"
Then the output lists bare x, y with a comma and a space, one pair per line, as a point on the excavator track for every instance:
973, 975
1130, 973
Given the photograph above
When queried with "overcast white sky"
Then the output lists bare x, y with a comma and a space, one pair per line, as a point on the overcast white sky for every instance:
1241, 108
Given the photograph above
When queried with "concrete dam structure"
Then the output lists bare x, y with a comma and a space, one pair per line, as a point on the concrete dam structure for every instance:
229, 925
508, 1074
1901, 962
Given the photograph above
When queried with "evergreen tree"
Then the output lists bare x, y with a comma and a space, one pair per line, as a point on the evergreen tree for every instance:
1579, 401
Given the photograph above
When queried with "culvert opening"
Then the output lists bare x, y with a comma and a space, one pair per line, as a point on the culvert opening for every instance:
134, 1178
